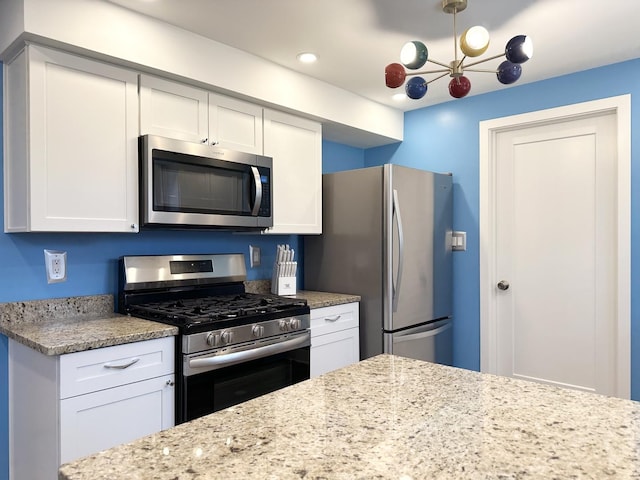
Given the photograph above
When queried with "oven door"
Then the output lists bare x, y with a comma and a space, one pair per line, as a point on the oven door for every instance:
221, 378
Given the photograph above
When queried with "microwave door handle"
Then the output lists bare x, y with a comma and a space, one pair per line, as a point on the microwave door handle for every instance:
258, 184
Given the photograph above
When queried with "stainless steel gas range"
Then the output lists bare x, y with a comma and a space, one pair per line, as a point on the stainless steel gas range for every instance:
232, 345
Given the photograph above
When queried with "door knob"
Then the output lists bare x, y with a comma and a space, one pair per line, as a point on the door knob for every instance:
503, 285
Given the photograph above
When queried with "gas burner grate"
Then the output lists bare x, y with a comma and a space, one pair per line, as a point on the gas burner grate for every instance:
190, 312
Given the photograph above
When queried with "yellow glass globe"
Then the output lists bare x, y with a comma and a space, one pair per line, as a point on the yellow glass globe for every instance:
474, 41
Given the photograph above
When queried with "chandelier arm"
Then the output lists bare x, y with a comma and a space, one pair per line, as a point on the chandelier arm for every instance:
439, 63
460, 62
410, 74
437, 78
480, 70
482, 61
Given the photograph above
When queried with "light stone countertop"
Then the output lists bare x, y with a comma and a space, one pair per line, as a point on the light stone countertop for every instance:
391, 418
58, 326
314, 299
66, 325
324, 299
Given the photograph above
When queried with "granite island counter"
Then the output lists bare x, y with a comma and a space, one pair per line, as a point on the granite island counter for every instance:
396, 418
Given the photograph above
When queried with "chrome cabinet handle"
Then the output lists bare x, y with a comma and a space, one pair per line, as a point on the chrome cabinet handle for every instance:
503, 285
170, 383
333, 319
205, 140
122, 366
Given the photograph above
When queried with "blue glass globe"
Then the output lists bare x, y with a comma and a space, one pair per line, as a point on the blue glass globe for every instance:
508, 72
519, 49
416, 87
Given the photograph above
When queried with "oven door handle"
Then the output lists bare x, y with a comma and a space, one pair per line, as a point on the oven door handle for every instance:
219, 361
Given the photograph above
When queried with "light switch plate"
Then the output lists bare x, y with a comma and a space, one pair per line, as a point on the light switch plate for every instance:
254, 256
458, 241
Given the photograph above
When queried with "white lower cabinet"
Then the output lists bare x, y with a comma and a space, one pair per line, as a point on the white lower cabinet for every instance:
65, 407
335, 341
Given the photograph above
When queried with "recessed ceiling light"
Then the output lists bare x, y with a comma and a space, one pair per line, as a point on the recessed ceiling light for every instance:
399, 97
307, 57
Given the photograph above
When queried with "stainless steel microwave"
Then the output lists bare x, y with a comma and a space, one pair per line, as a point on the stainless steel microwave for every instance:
188, 185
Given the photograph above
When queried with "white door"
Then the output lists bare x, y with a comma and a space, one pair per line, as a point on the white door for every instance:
558, 251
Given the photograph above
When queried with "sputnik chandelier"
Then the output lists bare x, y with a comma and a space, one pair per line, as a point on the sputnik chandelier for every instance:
473, 43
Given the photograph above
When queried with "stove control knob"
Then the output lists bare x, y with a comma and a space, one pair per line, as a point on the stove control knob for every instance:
257, 331
226, 337
213, 339
294, 323
284, 325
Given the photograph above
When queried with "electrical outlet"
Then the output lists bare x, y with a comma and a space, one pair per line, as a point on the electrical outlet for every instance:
55, 263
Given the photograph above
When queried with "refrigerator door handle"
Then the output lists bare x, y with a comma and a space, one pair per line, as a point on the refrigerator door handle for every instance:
398, 217
424, 334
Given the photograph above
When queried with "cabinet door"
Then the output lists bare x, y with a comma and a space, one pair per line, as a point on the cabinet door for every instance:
235, 124
173, 110
83, 154
334, 350
335, 341
96, 421
295, 144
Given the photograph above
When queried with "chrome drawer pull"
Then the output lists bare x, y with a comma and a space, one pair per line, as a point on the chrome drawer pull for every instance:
122, 366
333, 319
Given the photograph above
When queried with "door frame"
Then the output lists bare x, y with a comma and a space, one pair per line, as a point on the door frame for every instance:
620, 106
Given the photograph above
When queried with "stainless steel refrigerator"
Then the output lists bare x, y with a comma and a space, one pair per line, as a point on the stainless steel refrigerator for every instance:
386, 236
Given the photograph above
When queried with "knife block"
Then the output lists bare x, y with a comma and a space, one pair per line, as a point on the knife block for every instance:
283, 279
284, 286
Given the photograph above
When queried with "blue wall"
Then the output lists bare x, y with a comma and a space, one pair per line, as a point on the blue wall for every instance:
336, 157
445, 138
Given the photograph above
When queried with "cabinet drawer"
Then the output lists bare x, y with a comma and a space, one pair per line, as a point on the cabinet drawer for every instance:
334, 319
108, 367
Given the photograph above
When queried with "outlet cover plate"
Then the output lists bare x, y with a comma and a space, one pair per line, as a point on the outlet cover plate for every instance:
55, 262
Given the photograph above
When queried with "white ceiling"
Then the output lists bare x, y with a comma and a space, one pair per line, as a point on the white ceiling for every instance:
356, 39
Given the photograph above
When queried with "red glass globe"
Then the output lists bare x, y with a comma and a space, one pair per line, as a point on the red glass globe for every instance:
459, 86
394, 75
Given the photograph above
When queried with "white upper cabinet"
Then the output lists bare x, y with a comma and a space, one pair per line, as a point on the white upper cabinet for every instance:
295, 144
235, 124
70, 144
175, 110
